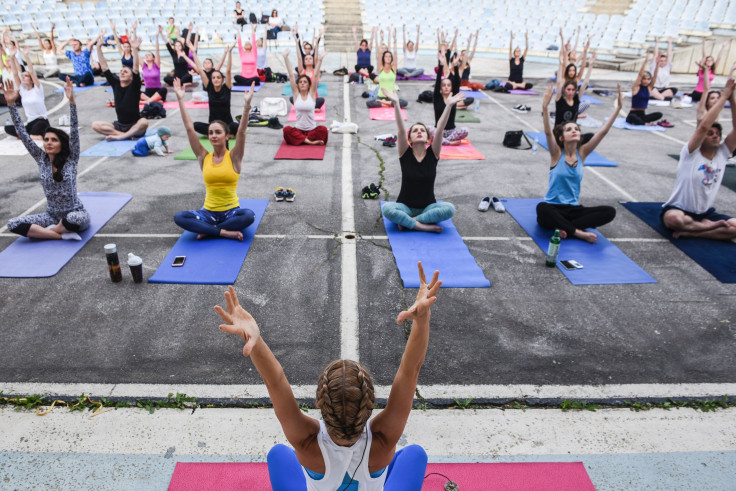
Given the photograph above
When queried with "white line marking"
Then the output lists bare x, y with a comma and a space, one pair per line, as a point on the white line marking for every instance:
433, 392
349, 348
668, 137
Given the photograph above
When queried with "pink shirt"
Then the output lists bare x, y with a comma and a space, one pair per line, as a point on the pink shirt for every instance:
248, 60
711, 76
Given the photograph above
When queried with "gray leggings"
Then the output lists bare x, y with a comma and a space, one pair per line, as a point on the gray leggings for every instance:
73, 221
449, 136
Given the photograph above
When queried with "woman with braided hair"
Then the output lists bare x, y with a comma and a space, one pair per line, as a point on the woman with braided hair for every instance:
344, 450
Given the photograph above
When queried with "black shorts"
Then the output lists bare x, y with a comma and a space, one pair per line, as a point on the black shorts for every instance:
710, 214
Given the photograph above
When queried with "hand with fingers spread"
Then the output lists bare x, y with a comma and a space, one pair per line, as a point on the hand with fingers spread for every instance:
178, 90
454, 99
426, 296
11, 95
238, 321
248, 95
548, 95
69, 90
619, 98
390, 95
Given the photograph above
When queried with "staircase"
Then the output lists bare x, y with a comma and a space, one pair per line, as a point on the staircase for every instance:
610, 7
340, 17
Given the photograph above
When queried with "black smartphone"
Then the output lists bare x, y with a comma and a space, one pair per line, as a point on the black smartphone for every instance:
571, 264
179, 261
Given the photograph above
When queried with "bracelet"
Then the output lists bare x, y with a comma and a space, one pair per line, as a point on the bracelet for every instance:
246, 107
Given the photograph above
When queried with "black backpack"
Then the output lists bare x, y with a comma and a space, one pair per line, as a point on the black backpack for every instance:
252, 18
426, 96
153, 110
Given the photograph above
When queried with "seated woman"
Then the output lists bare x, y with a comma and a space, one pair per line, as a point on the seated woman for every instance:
305, 48
443, 89
662, 90
275, 24
57, 164
640, 91
48, 50
248, 60
410, 69
567, 101
239, 16
689, 211
710, 99
32, 98
219, 91
386, 82
466, 57
568, 59
707, 64
345, 442
151, 74
123, 44
264, 72
221, 215
516, 65
179, 55
415, 207
363, 67
305, 131
561, 208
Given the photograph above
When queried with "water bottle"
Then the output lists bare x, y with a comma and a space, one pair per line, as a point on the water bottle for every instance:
113, 263
535, 146
552, 250
360, 79
477, 104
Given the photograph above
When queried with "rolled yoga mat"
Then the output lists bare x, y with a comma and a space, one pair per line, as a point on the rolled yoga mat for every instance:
33, 258
300, 152
594, 159
603, 263
445, 252
210, 261
188, 153
718, 257
113, 149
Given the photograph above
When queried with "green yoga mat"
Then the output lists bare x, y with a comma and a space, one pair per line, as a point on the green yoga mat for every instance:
188, 153
729, 178
466, 117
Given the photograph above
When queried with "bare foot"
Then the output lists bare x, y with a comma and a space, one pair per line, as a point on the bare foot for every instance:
231, 234
563, 234
401, 227
456, 143
201, 236
581, 116
315, 142
586, 236
427, 227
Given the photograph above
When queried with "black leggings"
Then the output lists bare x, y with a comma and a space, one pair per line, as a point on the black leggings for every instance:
571, 217
696, 95
317, 103
203, 128
240, 80
162, 90
640, 118
185, 79
36, 127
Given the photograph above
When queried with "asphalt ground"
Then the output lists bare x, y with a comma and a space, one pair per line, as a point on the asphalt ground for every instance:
531, 327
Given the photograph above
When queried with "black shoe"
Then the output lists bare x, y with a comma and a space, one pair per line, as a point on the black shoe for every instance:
274, 123
341, 71
528, 86
389, 142
373, 191
365, 193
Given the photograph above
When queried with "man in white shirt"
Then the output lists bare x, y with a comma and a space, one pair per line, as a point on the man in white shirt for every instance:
662, 91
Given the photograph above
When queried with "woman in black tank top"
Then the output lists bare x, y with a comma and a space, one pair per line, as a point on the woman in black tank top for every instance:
516, 65
416, 208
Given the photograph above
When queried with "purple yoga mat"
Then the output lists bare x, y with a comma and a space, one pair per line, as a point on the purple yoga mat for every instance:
522, 92
420, 78
245, 88
31, 258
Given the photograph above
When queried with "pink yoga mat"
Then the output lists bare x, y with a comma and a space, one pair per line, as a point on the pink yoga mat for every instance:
384, 113
300, 152
319, 115
548, 476
464, 151
187, 104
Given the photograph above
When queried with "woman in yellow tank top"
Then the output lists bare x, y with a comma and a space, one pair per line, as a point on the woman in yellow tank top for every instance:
386, 78
221, 215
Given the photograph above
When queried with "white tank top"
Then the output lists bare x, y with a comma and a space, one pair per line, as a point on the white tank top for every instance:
410, 59
50, 59
341, 460
304, 112
33, 103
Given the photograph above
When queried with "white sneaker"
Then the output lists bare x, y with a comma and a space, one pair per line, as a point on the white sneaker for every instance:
497, 205
520, 108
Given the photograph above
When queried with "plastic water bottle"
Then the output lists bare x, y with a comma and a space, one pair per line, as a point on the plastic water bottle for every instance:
477, 105
535, 146
360, 79
552, 250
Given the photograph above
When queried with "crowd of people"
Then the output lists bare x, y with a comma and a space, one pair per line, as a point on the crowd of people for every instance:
346, 446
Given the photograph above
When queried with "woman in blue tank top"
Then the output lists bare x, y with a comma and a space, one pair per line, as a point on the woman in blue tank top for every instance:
561, 208
643, 84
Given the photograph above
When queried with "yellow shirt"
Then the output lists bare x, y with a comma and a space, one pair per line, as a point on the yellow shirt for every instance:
221, 182
387, 81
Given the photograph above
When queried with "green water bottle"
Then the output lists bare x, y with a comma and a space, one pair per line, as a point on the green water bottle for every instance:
552, 250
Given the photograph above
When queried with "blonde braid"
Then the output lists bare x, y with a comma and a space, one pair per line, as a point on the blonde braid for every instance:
345, 396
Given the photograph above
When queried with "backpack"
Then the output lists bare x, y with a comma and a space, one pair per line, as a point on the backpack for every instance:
493, 84
512, 139
252, 18
426, 96
153, 110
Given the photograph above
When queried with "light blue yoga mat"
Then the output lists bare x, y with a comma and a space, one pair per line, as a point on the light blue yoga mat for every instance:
81, 89
210, 261
445, 252
33, 258
593, 160
113, 149
590, 99
321, 89
603, 263
621, 124
473, 93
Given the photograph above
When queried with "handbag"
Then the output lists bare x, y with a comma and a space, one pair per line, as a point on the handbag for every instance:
273, 106
512, 139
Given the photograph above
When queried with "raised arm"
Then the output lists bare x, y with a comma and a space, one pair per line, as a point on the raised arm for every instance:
526, 44
585, 57
588, 148
637, 82
656, 49
197, 66
453, 45
118, 44
62, 49
554, 149
135, 45
355, 38
586, 80
402, 143
297, 426
229, 70
475, 45
38, 37
290, 72
315, 78
98, 47
25, 53
442, 122
653, 79
11, 97
395, 56
192, 135
236, 154
299, 53
511, 44
731, 137
700, 113
391, 421
724, 45
669, 49
710, 117
157, 52
12, 64
317, 39
403, 37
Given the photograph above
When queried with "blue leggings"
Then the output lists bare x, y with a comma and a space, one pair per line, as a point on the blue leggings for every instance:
407, 217
405, 472
211, 222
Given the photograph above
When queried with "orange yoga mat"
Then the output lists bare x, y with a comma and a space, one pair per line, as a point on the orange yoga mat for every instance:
464, 151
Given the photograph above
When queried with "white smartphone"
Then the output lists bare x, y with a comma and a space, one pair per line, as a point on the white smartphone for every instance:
571, 264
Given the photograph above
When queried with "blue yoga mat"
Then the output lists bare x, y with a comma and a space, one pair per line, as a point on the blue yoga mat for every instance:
445, 252
718, 257
621, 124
211, 261
593, 160
590, 99
32, 258
246, 88
113, 149
603, 263
81, 89
473, 93
321, 89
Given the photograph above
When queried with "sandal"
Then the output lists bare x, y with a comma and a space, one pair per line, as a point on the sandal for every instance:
666, 124
280, 194
290, 194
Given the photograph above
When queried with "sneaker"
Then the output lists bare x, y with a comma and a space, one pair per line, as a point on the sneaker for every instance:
666, 124
374, 191
274, 123
497, 205
290, 195
520, 108
389, 142
280, 194
255, 110
484, 204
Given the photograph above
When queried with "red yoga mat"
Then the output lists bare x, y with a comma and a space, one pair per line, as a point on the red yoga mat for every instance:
300, 152
548, 476
464, 151
384, 113
187, 104
319, 114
